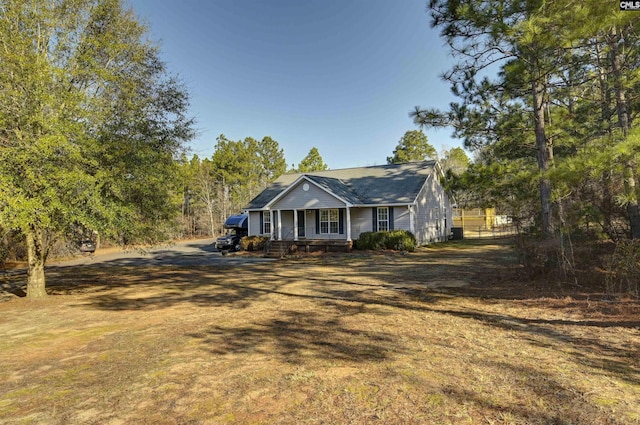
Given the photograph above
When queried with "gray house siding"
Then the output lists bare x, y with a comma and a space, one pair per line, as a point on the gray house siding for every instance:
254, 223
313, 198
360, 221
432, 213
402, 219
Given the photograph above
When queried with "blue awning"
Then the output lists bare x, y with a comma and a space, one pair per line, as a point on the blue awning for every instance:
238, 221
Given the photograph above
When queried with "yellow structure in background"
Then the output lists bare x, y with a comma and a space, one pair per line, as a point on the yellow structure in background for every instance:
474, 218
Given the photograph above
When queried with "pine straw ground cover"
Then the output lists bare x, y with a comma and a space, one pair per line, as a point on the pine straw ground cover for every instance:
446, 335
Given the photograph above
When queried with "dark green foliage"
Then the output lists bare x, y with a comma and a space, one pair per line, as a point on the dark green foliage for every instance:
454, 161
91, 123
254, 243
623, 269
413, 146
246, 167
555, 114
400, 240
312, 162
370, 240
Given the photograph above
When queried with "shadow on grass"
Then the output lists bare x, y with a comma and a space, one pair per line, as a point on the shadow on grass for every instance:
296, 336
593, 352
540, 399
379, 282
151, 289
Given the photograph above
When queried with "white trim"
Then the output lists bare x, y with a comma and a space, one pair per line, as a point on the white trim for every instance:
266, 215
271, 225
328, 221
388, 220
279, 225
390, 205
348, 205
348, 224
412, 219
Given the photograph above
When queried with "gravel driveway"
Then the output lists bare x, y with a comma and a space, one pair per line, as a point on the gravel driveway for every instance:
199, 252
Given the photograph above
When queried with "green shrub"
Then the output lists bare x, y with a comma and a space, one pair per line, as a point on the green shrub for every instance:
400, 240
370, 240
253, 243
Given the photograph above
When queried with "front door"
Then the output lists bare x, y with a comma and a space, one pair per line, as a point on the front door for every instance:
301, 224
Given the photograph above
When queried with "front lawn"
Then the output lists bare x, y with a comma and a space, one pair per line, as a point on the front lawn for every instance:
450, 334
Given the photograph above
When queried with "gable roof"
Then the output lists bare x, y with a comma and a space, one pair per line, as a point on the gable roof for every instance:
375, 185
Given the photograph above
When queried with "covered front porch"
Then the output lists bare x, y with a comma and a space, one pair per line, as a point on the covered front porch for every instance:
306, 230
330, 224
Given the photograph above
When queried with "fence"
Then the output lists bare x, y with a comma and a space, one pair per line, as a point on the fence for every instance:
483, 223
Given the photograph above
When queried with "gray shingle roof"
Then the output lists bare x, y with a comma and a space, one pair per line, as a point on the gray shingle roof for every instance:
375, 185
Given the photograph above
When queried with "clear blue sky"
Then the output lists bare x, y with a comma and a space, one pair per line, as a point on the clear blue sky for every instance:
340, 75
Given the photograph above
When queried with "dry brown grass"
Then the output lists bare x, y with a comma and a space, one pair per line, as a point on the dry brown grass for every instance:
447, 335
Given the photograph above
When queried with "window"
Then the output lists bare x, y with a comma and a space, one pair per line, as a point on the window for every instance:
329, 221
383, 219
266, 223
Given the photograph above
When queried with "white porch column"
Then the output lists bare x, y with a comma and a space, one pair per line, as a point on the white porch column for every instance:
412, 224
295, 225
273, 224
348, 223
279, 225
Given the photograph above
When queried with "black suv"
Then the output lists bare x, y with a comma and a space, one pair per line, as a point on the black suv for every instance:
238, 228
230, 241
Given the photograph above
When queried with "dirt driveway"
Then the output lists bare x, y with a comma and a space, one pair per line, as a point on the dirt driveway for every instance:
449, 334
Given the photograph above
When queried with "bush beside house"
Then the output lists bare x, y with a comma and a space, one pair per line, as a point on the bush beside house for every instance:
400, 240
253, 243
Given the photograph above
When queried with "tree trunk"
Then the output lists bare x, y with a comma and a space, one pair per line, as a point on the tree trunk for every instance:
210, 213
606, 201
37, 255
545, 151
630, 189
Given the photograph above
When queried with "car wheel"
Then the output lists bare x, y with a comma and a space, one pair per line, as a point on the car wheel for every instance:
237, 247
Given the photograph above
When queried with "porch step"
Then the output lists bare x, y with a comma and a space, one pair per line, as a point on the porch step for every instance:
277, 249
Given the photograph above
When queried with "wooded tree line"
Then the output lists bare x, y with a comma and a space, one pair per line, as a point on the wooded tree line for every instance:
217, 187
93, 127
548, 101
214, 188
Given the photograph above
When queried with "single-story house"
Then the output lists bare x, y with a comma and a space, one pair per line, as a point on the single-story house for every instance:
339, 205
